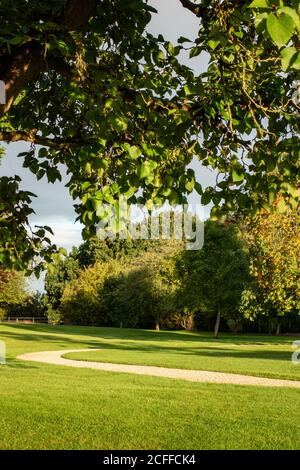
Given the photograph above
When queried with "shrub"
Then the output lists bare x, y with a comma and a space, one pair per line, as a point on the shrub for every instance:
54, 316
82, 299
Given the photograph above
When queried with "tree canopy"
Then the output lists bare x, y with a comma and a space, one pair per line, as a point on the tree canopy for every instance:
89, 88
274, 250
213, 279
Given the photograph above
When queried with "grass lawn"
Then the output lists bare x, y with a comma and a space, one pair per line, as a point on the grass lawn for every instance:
53, 407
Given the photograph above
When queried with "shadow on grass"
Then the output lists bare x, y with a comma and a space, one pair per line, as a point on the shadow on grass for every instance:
200, 352
49, 333
17, 364
164, 343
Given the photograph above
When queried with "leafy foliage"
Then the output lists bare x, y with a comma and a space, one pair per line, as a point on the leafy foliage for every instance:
213, 279
62, 272
90, 89
274, 250
19, 243
82, 302
124, 291
12, 292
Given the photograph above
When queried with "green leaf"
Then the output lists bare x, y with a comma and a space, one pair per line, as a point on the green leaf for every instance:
206, 198
198, 188
107, 195
173, 198
170, 48
260, 22
146, 168
282, 206
189, 186
296, 63
293, 14
260, 4
183, 39
195, 52
119, 124
280, 29
43, 153
134, 152
17, 40
289, 57
213, 43
159, 57
48, 229
237, 176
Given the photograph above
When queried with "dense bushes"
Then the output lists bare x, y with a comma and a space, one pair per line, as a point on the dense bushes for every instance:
82, 302
129, 292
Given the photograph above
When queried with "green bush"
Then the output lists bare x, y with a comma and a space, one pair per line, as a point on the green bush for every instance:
138, 292
3, 313
54, 316
82, 299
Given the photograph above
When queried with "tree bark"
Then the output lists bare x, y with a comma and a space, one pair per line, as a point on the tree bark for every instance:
190, 324
28, 61
278, 328
217, 324
157, 326
23, 67
78, 13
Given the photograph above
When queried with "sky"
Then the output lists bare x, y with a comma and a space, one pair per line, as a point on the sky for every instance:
53, 206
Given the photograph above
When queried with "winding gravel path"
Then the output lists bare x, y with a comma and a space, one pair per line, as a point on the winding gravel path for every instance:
55, 357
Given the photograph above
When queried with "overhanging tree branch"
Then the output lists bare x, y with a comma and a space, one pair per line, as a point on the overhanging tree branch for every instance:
78, 13
196, 9
28, 61
21, 68
60, 144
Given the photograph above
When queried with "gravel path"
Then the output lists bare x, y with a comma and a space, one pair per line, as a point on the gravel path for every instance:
54, 357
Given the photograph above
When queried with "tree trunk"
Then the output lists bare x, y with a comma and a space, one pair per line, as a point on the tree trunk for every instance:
121, 324
157, 327
217, 324
190, 324
278, 328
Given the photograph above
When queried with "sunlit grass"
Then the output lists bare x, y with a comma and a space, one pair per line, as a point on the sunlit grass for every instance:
53, 407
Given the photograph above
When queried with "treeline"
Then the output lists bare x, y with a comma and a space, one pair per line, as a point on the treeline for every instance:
245, 278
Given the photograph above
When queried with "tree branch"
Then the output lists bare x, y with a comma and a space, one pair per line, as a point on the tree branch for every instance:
198, 10
60, 144
23, 67
78, 13
26, 62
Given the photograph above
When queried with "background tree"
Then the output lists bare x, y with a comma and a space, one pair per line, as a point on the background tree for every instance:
82, 300
13, 292
161, 284
274, 249
57, 276
95, 249
126, 298
128, 292
213, 279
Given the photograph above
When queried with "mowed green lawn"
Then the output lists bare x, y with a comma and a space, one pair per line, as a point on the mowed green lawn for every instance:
53, 407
